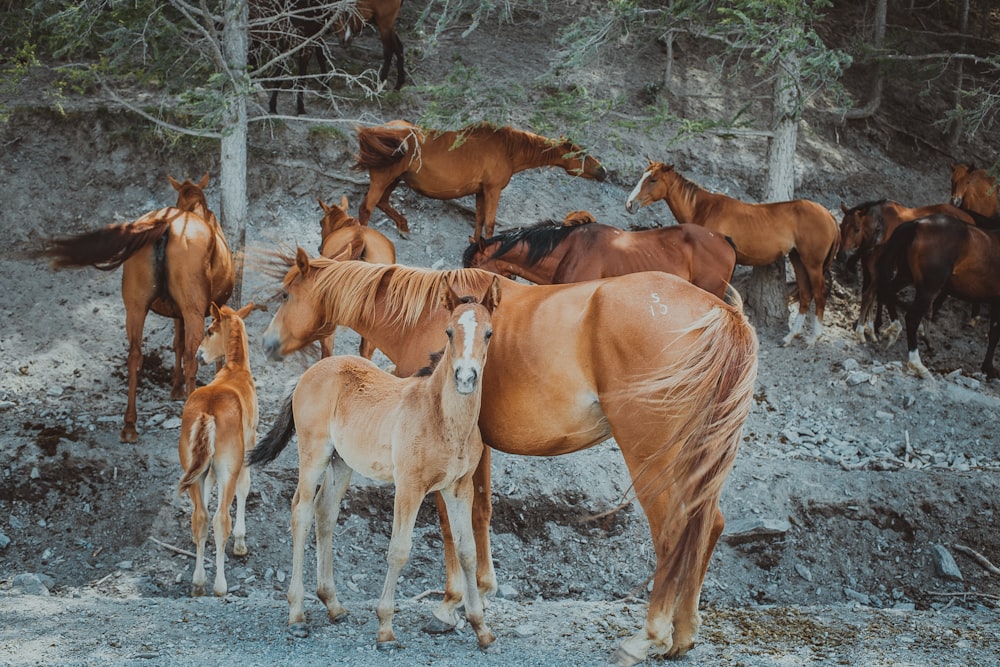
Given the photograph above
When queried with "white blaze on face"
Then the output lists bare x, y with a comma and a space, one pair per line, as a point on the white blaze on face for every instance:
467, 367
635, 191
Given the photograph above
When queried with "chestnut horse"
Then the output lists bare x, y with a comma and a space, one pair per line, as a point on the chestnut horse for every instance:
175, 262
940, 254
974, 190
554, 253
477, 160
218, 428
802, 230
863, 233
418, 432
341, 232
382, 14
663, 367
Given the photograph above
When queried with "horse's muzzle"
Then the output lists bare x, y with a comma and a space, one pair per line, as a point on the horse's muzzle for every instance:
602, 174
466, 380
272, 348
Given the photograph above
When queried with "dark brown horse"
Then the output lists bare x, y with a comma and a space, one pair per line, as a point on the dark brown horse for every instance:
477, 160
863, 232
553, 253
974, 190
175, 262
802, 230
381, 14
940, 254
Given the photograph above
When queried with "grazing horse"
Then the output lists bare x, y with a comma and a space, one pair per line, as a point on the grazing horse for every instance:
552, 253
340, 232
175, 262
382, 14
763, 233
477, 160
864, 230
940, 254
418, 432
974, 190
218, 428
663, 367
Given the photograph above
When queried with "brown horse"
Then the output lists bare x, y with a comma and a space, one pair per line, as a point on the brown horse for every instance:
802, 230
863, 232
555, 253
341, 232
974, 190
477, 160
418, 432
663, 367
382, 14
218, 428
175, 262
940, 254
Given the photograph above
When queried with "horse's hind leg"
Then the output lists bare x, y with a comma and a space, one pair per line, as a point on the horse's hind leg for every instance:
327, 505
135, 319
177, 390
240, 527
199, 535
222, 523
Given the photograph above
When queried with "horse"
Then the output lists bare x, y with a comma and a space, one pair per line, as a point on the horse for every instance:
864, 230
340, 232
800, 229
218, 428
382, 14
551, 253
662, 366
974, 190
418, 432
478, 160
283, 28
940, 254
176, 262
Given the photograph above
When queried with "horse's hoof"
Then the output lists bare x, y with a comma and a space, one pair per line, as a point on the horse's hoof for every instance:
388, 645
298, 630
436, 626
129, 434
486, 640
622, 658
178, 394
337, 615
197, 591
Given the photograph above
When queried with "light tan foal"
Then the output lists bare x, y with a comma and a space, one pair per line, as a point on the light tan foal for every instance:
218, 427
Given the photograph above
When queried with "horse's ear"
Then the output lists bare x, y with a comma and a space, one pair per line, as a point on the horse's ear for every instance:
343, 203
843, 207
346, 254
203, 183
174, 183
245, 310
446, 295
492, 297
302, 261
214, 309
650, 161
481, 244
322, 205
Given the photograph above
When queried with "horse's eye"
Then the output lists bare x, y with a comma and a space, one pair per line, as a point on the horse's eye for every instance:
450, 332
284, 295
489, 334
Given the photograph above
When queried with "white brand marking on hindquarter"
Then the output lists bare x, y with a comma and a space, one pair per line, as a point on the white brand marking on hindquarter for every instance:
657, 307
468, 322
638, 186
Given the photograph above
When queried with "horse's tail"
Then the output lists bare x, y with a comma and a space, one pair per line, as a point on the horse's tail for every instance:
277, 438
380, 147
705, 397
893, 252
106, 248
202, 444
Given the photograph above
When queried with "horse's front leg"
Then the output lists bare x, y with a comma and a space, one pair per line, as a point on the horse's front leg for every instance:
177, 392
135, 318
404, 517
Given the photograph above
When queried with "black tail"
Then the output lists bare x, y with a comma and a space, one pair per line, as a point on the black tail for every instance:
277, 438
892, 259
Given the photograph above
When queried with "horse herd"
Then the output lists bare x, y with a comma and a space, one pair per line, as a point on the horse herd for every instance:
654, 350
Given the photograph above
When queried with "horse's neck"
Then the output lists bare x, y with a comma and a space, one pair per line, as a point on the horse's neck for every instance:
540, 273
237, 349
528, 151
683, 198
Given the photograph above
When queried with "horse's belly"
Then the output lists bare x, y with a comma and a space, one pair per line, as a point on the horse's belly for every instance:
543, 421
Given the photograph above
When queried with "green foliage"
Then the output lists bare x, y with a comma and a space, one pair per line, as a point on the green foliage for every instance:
450, 106
569, 110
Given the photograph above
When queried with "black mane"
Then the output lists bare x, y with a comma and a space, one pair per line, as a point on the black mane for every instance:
541, 239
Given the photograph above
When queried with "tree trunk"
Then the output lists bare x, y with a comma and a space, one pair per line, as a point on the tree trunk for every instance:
878, 41
767, 292
233, 213
956, 125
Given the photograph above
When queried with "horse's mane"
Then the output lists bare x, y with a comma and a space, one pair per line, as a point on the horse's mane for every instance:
348, 289
541, 239
689, 189
864, 206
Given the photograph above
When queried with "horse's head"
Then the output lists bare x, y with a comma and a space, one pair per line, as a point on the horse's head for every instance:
484, 254
652, 186
579, 163
299, 320
851, 229
335, 217
469, 331
191, 196
226, 323
973, 189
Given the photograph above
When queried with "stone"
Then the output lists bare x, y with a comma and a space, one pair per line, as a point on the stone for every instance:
944, 564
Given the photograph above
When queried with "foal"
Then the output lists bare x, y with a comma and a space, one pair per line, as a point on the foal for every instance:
420, 432
218, 427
